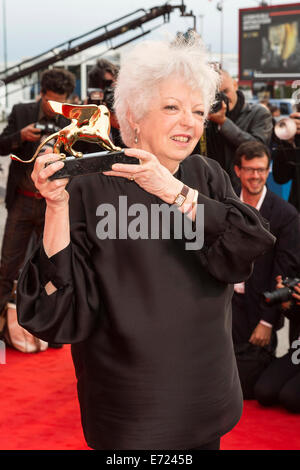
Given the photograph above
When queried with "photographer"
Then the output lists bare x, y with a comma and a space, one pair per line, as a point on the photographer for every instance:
101, 83
280, 382
235, 122
27, 125
284, 168
254, 324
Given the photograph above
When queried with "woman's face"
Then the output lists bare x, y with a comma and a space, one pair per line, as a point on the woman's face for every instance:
174, 123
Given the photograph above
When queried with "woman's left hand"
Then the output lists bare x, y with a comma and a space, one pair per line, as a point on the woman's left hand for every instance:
150, 175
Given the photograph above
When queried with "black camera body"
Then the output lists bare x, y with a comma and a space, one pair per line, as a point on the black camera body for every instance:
47, 129
219, 99
95, 96
284, 294
99, 96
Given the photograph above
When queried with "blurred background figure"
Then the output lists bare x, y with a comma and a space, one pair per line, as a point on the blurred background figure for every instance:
280, 382
28, 123
74, 99
235, 122
275, 111
286, 160
254, 323
101, 85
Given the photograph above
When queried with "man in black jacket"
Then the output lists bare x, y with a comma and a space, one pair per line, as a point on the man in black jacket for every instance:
25, 206
286, 163
232, 125
280, 382
254, 323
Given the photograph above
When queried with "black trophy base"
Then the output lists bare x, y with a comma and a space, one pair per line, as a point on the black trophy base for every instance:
91, 163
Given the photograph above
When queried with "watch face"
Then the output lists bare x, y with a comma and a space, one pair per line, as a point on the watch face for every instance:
180, 200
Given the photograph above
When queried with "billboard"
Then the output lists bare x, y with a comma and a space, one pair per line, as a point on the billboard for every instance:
269, 43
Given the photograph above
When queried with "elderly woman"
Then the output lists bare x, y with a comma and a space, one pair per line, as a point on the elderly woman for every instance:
148, 316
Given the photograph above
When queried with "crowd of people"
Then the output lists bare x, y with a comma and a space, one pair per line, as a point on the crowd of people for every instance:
166, 342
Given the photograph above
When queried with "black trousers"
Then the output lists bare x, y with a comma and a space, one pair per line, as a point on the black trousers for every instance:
280, 384
24, 218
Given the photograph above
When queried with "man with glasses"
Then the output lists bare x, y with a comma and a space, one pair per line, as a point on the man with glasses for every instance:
25, 206
254, 324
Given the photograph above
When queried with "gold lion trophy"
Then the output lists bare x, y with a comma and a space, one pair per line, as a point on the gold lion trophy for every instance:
90, 123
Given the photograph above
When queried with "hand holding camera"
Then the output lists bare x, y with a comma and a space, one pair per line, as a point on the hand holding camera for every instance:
33, 132
287, 293
294, 286
219, 108
30, 133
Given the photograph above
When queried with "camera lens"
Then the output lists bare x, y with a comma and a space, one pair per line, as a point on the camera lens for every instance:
278, 296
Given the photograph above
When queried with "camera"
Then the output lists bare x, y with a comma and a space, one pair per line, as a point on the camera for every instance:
281, 295
95, 96
47, 129
217, 105
99, 96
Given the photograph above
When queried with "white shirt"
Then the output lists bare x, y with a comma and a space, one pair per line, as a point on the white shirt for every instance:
240, 287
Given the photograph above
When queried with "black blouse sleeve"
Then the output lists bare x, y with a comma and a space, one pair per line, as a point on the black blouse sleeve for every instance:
70, 314
235, 234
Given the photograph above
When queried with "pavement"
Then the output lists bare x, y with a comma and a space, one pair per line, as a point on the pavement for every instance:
5, 161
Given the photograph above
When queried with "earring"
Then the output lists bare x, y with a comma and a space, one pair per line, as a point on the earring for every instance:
136, 136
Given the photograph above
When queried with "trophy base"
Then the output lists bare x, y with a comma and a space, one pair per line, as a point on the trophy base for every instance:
91, 163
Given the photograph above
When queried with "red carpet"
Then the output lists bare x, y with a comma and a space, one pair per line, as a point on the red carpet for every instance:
39, 410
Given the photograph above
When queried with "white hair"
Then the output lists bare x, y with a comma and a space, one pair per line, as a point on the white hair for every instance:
151, 62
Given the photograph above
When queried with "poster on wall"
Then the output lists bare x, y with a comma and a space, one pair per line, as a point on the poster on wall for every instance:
269, 43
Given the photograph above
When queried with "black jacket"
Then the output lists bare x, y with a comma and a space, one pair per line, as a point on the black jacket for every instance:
294, 316
286, 167
283, 259
21, 116
253, 123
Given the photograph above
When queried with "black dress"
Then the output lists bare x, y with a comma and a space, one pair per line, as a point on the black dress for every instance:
149, 321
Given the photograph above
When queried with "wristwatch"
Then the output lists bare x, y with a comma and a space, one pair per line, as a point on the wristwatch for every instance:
181, 197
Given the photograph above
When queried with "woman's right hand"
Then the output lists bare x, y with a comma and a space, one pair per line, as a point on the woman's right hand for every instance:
54, 191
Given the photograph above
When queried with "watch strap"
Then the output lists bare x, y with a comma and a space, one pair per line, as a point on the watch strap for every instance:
181, 197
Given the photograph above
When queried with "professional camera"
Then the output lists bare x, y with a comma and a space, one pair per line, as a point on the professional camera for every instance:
99, 96
217, 105
47, 129
95, 96
284, 294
